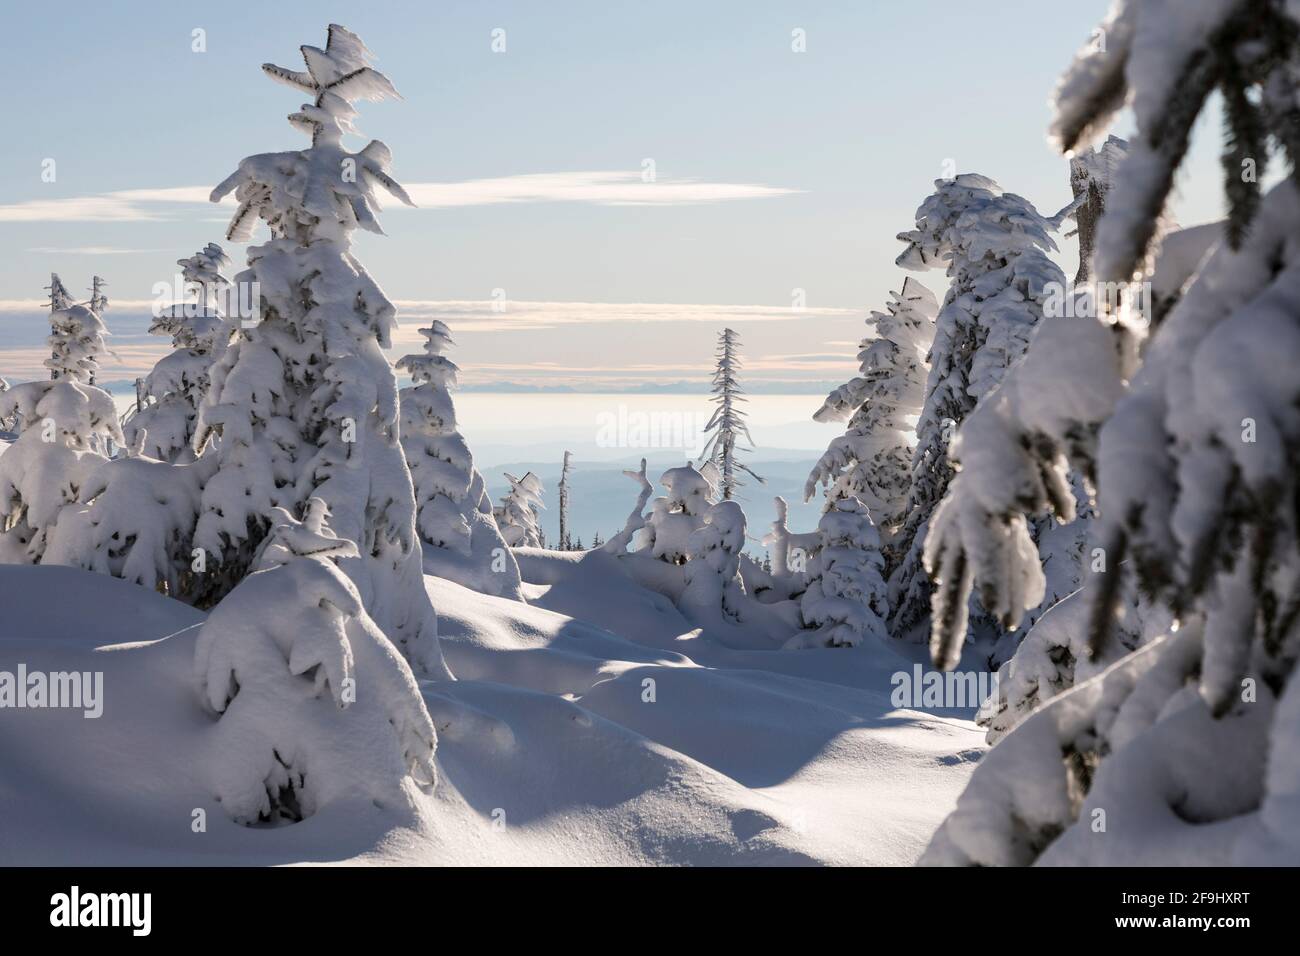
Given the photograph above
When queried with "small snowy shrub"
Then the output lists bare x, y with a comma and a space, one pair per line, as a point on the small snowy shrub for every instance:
314, 704
712, 573
845, 601
675, 516
62, 425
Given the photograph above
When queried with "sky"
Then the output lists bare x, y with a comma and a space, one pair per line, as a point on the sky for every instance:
780, 178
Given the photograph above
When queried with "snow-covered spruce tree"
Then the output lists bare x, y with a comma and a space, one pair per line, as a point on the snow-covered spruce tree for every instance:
994, 247
76, 339
1194, 442
305, 401
455, 522
872, 460
846, 600
565, 543
63, 426
728, 420
315, 705
1061, 547
170, 395
516, 516
60, 297
713, 592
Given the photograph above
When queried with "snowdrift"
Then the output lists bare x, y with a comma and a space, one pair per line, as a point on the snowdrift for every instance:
561, 743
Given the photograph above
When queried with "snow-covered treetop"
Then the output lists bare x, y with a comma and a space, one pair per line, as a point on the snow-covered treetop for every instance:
1099, 165
432, 367
76, 334
98, 300
970, 219
76, 341
325, 190
690, 490
1092, 174
60, 298
203, 269
1164, 60
309, 538
528, 488
198, 324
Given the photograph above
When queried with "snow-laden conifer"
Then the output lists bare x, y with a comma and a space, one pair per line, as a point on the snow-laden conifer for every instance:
994, 247
727, 424
872, 460
64, 427
1192, 442
76, 340
455, 521
1092, 174
713, 592
305, 400
566, 468
170, 395
845, 601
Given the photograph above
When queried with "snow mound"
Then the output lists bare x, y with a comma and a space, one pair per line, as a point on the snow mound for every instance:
562, 743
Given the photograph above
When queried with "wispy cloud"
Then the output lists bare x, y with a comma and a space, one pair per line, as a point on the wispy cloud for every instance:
602, 188
23, 327
494, 316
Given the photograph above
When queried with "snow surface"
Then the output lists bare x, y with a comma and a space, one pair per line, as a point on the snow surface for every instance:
547, 753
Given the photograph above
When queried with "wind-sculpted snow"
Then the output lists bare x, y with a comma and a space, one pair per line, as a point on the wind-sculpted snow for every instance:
552, 748
341, 722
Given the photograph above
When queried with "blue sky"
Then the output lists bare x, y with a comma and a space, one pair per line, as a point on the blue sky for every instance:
775, 170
